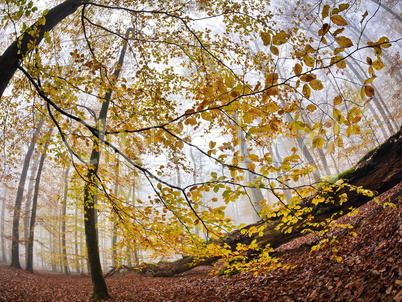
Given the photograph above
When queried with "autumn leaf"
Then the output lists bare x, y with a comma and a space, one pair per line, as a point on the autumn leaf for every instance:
274, 50
271, 79
311, 108
318, 142
272, 107
344, 41
369, 91
325, 11
324, 29
338, 100
316, 84
306, 91
280, 38
266, 38
339, 20
206, 115
378, 64
309, 61
298, 69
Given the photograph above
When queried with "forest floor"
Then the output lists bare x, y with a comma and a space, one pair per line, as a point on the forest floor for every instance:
370, 270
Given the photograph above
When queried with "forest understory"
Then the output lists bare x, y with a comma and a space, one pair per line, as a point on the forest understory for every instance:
363, 264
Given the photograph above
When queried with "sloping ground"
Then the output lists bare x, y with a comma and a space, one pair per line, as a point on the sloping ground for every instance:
370, 270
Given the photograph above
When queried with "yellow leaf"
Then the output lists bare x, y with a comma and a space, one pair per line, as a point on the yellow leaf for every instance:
331, 147
356, 129
316, 85
271, 79
190, 121
274, 50
338, 31
247, 117
338, 50
253, 157
349, 131
336, 113
272, 107
339, 142
280, 38
306, 90
339, 61
251, 166
354, 115
370, 80
343, 6
266, 38
229, 81
298, 69
362, 94
179, 144
242, 89
309, 61
378, 64
206, 115
212, 144
339, 20
369, 91
318, 142
311, 107
325, 11
337, 100
344, 41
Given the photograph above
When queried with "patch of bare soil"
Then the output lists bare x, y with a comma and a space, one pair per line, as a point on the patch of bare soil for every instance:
363, 264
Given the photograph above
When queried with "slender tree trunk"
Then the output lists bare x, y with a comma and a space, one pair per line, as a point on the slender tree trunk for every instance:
29, 264
98, 281
76, 249
22, 46
63, 224
28, 202
114, 229
15, 261
2, 227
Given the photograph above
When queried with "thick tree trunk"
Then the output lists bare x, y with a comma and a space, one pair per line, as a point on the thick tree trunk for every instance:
15, 261
379, 170
21, 47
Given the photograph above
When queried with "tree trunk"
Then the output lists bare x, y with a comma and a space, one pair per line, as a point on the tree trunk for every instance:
22, 46
2, 228
98, 281
28, 201
63, 224
29, 264
15, 261
379, 170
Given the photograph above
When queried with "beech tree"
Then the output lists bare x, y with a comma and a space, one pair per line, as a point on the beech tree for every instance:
235, 70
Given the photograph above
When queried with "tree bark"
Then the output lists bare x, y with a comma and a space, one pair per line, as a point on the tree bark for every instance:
63, 224
29, 264
15, 261
20, 48
98, 281
379, 170
2, 228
